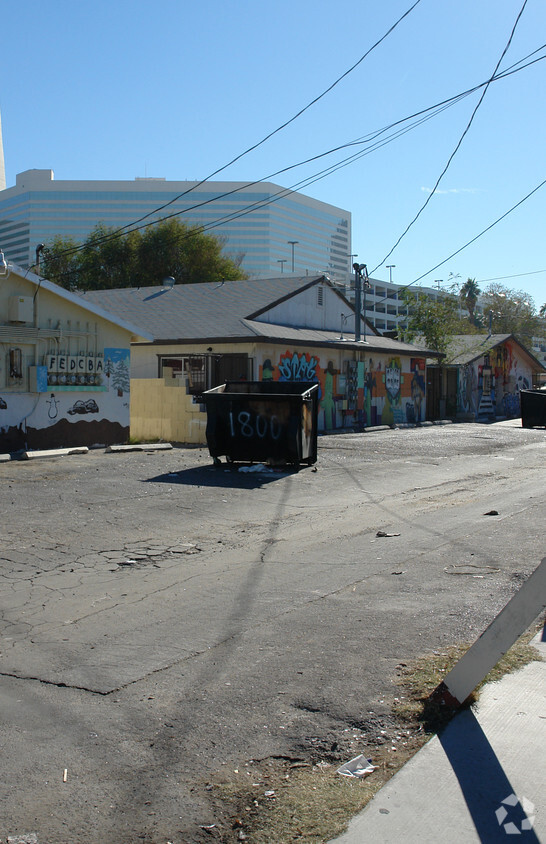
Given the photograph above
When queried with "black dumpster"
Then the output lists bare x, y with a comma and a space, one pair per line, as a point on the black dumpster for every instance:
533, 408
257, 421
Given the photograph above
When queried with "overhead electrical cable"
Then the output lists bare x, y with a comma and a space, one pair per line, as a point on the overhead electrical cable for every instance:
283, 125
503, 277
458, 144
473, 240
423, 115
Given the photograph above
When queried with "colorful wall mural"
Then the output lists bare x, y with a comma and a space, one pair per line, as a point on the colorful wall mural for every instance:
382, 390
69, 416
489, 387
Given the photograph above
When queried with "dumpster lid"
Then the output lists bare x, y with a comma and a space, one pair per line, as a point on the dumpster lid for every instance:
264, 388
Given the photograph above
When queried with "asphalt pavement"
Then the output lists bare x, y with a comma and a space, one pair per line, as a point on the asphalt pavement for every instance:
164, 620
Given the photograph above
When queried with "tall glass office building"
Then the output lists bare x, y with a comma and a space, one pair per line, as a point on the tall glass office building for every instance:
273, 229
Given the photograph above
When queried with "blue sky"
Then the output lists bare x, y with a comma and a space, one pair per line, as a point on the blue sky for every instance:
108, 90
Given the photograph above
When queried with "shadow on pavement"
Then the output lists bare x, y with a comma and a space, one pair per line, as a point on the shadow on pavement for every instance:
220, 476
483, 782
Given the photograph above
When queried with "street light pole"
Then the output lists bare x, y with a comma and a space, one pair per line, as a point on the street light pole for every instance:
292, 244
282, 262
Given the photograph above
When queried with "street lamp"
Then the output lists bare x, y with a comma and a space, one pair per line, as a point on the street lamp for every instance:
390, 268
282, 262
292, 244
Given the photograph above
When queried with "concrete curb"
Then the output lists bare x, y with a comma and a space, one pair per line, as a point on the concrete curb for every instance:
53, 452
113, 449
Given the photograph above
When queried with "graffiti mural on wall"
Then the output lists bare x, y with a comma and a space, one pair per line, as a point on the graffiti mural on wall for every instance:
53, 405
328, 404
82, 407
415, 411
393, 382
116, 370
294, 367
491, 387
378, 391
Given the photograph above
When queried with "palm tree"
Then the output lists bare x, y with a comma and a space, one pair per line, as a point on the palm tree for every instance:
469, 296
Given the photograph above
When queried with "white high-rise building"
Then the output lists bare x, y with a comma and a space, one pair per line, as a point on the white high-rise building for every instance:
274, 229
2, 167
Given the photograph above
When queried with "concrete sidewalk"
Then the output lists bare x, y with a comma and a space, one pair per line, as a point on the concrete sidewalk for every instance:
455, 789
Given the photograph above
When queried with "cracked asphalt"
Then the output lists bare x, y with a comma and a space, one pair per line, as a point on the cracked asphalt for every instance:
163, 619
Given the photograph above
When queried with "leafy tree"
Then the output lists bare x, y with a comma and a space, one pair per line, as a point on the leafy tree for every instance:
139, 258
436, 320
542, 312
509, 311
469, 296
60, 261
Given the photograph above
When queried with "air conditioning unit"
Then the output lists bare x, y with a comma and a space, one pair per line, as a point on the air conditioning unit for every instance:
20, 309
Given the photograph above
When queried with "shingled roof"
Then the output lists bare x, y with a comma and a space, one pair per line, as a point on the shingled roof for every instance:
465, 348
194, 311
229, 311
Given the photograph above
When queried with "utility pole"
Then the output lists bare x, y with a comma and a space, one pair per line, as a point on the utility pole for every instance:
356, 268
359, 269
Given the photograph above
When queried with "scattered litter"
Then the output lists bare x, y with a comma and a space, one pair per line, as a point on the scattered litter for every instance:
399, 572
357, 767
256, 467
384, 533
269, 793
492, 513
208, 826
65, 774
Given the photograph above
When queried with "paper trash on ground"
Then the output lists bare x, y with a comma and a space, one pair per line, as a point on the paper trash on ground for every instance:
256, 467
357, 767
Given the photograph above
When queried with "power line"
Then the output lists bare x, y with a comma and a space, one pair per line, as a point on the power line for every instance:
282, 126
458, 144
423, 115
474, 239
503, 277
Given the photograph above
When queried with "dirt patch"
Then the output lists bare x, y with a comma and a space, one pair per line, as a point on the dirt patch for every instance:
303, 798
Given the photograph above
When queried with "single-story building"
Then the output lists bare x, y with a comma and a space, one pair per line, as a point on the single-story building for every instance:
64, 367
284, 328
481, 378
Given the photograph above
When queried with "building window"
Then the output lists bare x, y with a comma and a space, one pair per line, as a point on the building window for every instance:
203, 372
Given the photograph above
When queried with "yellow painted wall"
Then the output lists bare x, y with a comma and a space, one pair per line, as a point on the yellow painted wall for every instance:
162, 409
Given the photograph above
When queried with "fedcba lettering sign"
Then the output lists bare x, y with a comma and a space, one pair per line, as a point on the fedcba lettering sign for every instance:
74, 370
